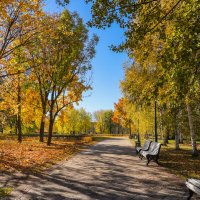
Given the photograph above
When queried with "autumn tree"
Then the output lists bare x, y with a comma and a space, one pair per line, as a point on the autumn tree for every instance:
100, 121
120, 115
162, 38
109, 124
176, 79
19, 101
104, 122
73, 121
18, 22
17, 26
63, 62
85, 120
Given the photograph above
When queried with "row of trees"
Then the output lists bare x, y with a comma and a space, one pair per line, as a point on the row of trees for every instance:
44, 60
73, 121
106, 122
162, 37
141, 118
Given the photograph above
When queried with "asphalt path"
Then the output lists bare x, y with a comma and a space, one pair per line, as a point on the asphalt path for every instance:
109, 170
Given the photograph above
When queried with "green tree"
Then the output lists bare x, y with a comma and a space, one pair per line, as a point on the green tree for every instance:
73, 121
100, 121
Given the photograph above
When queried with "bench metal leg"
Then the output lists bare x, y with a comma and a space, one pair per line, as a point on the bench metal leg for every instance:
148, 160
190, 194
157, 161
140, 156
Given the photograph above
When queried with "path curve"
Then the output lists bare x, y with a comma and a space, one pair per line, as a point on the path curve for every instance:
109, 170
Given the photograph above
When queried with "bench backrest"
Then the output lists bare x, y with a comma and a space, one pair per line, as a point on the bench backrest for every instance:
154, 148
146, 145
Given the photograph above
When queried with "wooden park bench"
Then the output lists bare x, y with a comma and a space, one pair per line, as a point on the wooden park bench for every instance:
152, 154
145, 147
194, 187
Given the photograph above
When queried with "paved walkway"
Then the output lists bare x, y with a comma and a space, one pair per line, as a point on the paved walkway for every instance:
109, 170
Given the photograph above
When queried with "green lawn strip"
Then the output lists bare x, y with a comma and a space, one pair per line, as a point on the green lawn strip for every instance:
5, 192
100, 138
179, 162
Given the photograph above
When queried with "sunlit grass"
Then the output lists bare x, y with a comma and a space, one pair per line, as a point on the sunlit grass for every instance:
100, 138
5, 192
180, 162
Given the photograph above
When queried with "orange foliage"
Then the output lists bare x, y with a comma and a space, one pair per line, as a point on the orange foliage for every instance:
33, 156
120, 114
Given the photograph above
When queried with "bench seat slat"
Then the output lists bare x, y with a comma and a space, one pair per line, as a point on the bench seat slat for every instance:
193, 188
195, 182
145, 153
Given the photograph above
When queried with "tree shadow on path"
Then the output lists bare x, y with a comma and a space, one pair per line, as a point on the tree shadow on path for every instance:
109, 170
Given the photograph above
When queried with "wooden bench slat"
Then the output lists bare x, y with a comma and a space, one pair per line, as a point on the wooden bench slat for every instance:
193, 188
195, 182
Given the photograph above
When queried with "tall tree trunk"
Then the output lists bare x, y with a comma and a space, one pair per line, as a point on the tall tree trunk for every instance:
166, 138
176, 139
176, 132
180, 137
19, 128
50, 132
42, 125
118, 129
155, 122
51, 122
161, 124
192, 132
110, 128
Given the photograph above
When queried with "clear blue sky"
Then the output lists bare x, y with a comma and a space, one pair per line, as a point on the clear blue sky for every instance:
107, 65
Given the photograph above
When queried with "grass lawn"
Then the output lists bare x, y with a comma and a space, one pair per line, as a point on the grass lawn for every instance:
33, 156
5, 192
180, 162
100, 138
